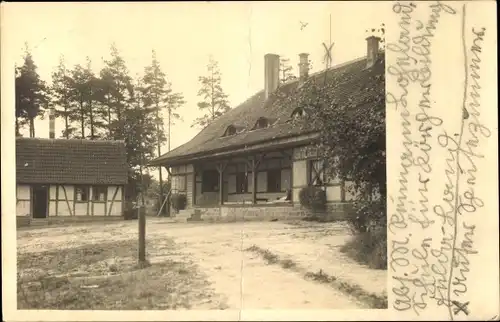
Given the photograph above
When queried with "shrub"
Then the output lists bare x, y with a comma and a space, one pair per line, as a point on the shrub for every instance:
368, 223
367, 215
313, 198
368, 248
179, 201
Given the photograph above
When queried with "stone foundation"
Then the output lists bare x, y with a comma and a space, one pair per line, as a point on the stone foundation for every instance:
24, 221
233, 214
335, 211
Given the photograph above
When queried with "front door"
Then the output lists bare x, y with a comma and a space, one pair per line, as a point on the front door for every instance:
40, 201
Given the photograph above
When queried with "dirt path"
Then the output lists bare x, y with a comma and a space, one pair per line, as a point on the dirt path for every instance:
245, 279
238, 279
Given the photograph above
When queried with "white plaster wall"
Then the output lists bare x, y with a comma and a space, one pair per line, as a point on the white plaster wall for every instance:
52, 192
70, 193
23, 205
295, 195
300, 173
23, 208
63, 208
23, 192
333, 193
116, 210
81, 209
99, 209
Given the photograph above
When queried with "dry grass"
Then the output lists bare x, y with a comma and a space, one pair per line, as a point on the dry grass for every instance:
372, 300
106, 276
369, 248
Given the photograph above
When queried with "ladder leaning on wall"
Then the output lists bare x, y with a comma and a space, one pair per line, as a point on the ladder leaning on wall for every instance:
164, 202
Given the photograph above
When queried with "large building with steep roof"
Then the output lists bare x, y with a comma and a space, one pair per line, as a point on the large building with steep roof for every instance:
255, 155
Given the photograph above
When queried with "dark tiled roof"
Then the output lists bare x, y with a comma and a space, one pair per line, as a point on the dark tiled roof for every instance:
353, 78
71, 161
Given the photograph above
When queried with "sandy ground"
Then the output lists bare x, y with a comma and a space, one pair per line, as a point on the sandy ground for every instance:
240, 279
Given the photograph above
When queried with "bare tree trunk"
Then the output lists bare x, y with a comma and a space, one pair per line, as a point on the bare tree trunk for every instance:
32, 127
169, 124
66, 123
159, 152
82, 119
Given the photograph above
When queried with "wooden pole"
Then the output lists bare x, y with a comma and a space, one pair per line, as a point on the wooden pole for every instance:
141, 208
221, 167
142, 235
221, 186
254, 181
254, 166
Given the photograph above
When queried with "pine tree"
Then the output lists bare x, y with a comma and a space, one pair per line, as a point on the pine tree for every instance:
31, 94
286, 70
215, 101
61, 87
140, 137
92, 96
117, 93
21, 115
158, 96
78, 98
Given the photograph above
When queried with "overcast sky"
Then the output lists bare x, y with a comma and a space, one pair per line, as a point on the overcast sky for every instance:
184, 34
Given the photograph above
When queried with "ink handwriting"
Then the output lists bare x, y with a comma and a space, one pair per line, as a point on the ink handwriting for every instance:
433, 268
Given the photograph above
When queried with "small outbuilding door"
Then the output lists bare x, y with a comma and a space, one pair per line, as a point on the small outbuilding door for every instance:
40, 201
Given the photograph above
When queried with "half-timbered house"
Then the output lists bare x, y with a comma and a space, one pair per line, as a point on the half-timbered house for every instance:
69, 178
254, 155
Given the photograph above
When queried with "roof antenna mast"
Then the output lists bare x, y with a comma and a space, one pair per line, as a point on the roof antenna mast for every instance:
327, 58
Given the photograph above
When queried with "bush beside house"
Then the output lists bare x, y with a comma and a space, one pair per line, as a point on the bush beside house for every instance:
179, 201
313, 199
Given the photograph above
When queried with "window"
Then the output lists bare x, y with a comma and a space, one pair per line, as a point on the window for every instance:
210, 181
99, 193
231, 130
81, 193
179, 182
316, 172
298, 113
261, 123
274, 180
241, 182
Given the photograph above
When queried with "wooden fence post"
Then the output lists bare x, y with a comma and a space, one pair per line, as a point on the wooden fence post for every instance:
142, 235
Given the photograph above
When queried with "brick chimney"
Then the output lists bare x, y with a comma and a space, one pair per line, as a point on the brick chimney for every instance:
372, 50
52, 123
271, 73
303, 67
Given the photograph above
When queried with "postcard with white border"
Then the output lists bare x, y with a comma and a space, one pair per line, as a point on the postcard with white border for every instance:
253, 160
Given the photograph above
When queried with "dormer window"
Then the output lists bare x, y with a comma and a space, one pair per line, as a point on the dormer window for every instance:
298, 113
261, 123
231, 130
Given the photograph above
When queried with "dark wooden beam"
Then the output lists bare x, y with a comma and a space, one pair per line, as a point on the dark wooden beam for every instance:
286, 154
57, 199
220, 168
195, 171
254, 166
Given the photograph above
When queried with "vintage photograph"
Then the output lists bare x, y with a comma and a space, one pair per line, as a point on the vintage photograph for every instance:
200, 156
